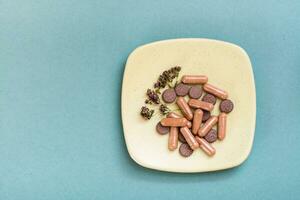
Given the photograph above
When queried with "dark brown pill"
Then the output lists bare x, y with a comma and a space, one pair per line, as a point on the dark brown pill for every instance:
181, 138
211, 136
169, 95
206, 115
195, 92
226, 106
182, 89
209, 98
162, 130
185, 150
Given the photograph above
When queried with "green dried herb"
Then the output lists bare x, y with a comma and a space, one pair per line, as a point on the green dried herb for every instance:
167, 77
147, 101
153, 96
146, 112
164, 110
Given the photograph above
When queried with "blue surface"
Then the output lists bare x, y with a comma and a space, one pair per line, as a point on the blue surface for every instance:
61, 67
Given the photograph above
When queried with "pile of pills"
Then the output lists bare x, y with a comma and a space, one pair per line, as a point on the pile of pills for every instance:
195, 127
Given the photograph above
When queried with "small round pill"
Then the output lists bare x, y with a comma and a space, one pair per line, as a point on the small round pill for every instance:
181, 138
206, 115
162, 130
185, 150
226, 106
169, 95
182, 89
211, 136
209, 98
195, 92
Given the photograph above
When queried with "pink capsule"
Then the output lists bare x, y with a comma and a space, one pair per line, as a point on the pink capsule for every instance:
205, 146
194, 79
175, 115
215, 91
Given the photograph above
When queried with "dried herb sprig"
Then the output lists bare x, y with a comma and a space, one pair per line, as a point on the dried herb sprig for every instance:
146, 112
167, 77
152, 97
164, 110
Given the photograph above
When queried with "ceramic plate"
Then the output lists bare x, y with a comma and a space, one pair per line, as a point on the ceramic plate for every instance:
226, 65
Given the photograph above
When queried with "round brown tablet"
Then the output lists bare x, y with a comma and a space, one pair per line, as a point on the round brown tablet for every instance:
206, 115
169, 95
162, 130
182, 89
195, 92
226, 106
185, 150
181, 138
211, 136
209, 98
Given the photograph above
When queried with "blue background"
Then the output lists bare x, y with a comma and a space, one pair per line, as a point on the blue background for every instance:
61, 67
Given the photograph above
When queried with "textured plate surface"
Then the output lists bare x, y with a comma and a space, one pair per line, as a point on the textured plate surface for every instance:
226, 65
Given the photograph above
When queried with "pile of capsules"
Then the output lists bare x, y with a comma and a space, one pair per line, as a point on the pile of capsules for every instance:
195, 128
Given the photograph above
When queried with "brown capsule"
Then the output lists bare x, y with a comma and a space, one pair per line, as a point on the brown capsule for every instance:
207, 126
215, 91
222, 126
184, 107
173, 139
190, 139
194, 103
205, 146
177, 122
194, 79
197, 121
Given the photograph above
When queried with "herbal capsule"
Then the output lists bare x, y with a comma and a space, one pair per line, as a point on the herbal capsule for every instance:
222, 126
184, 107
205, 146
173, 138
197, 121
175, 115
189, 137
177, 122
215, 91
194, 79
194, 103
207, 126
